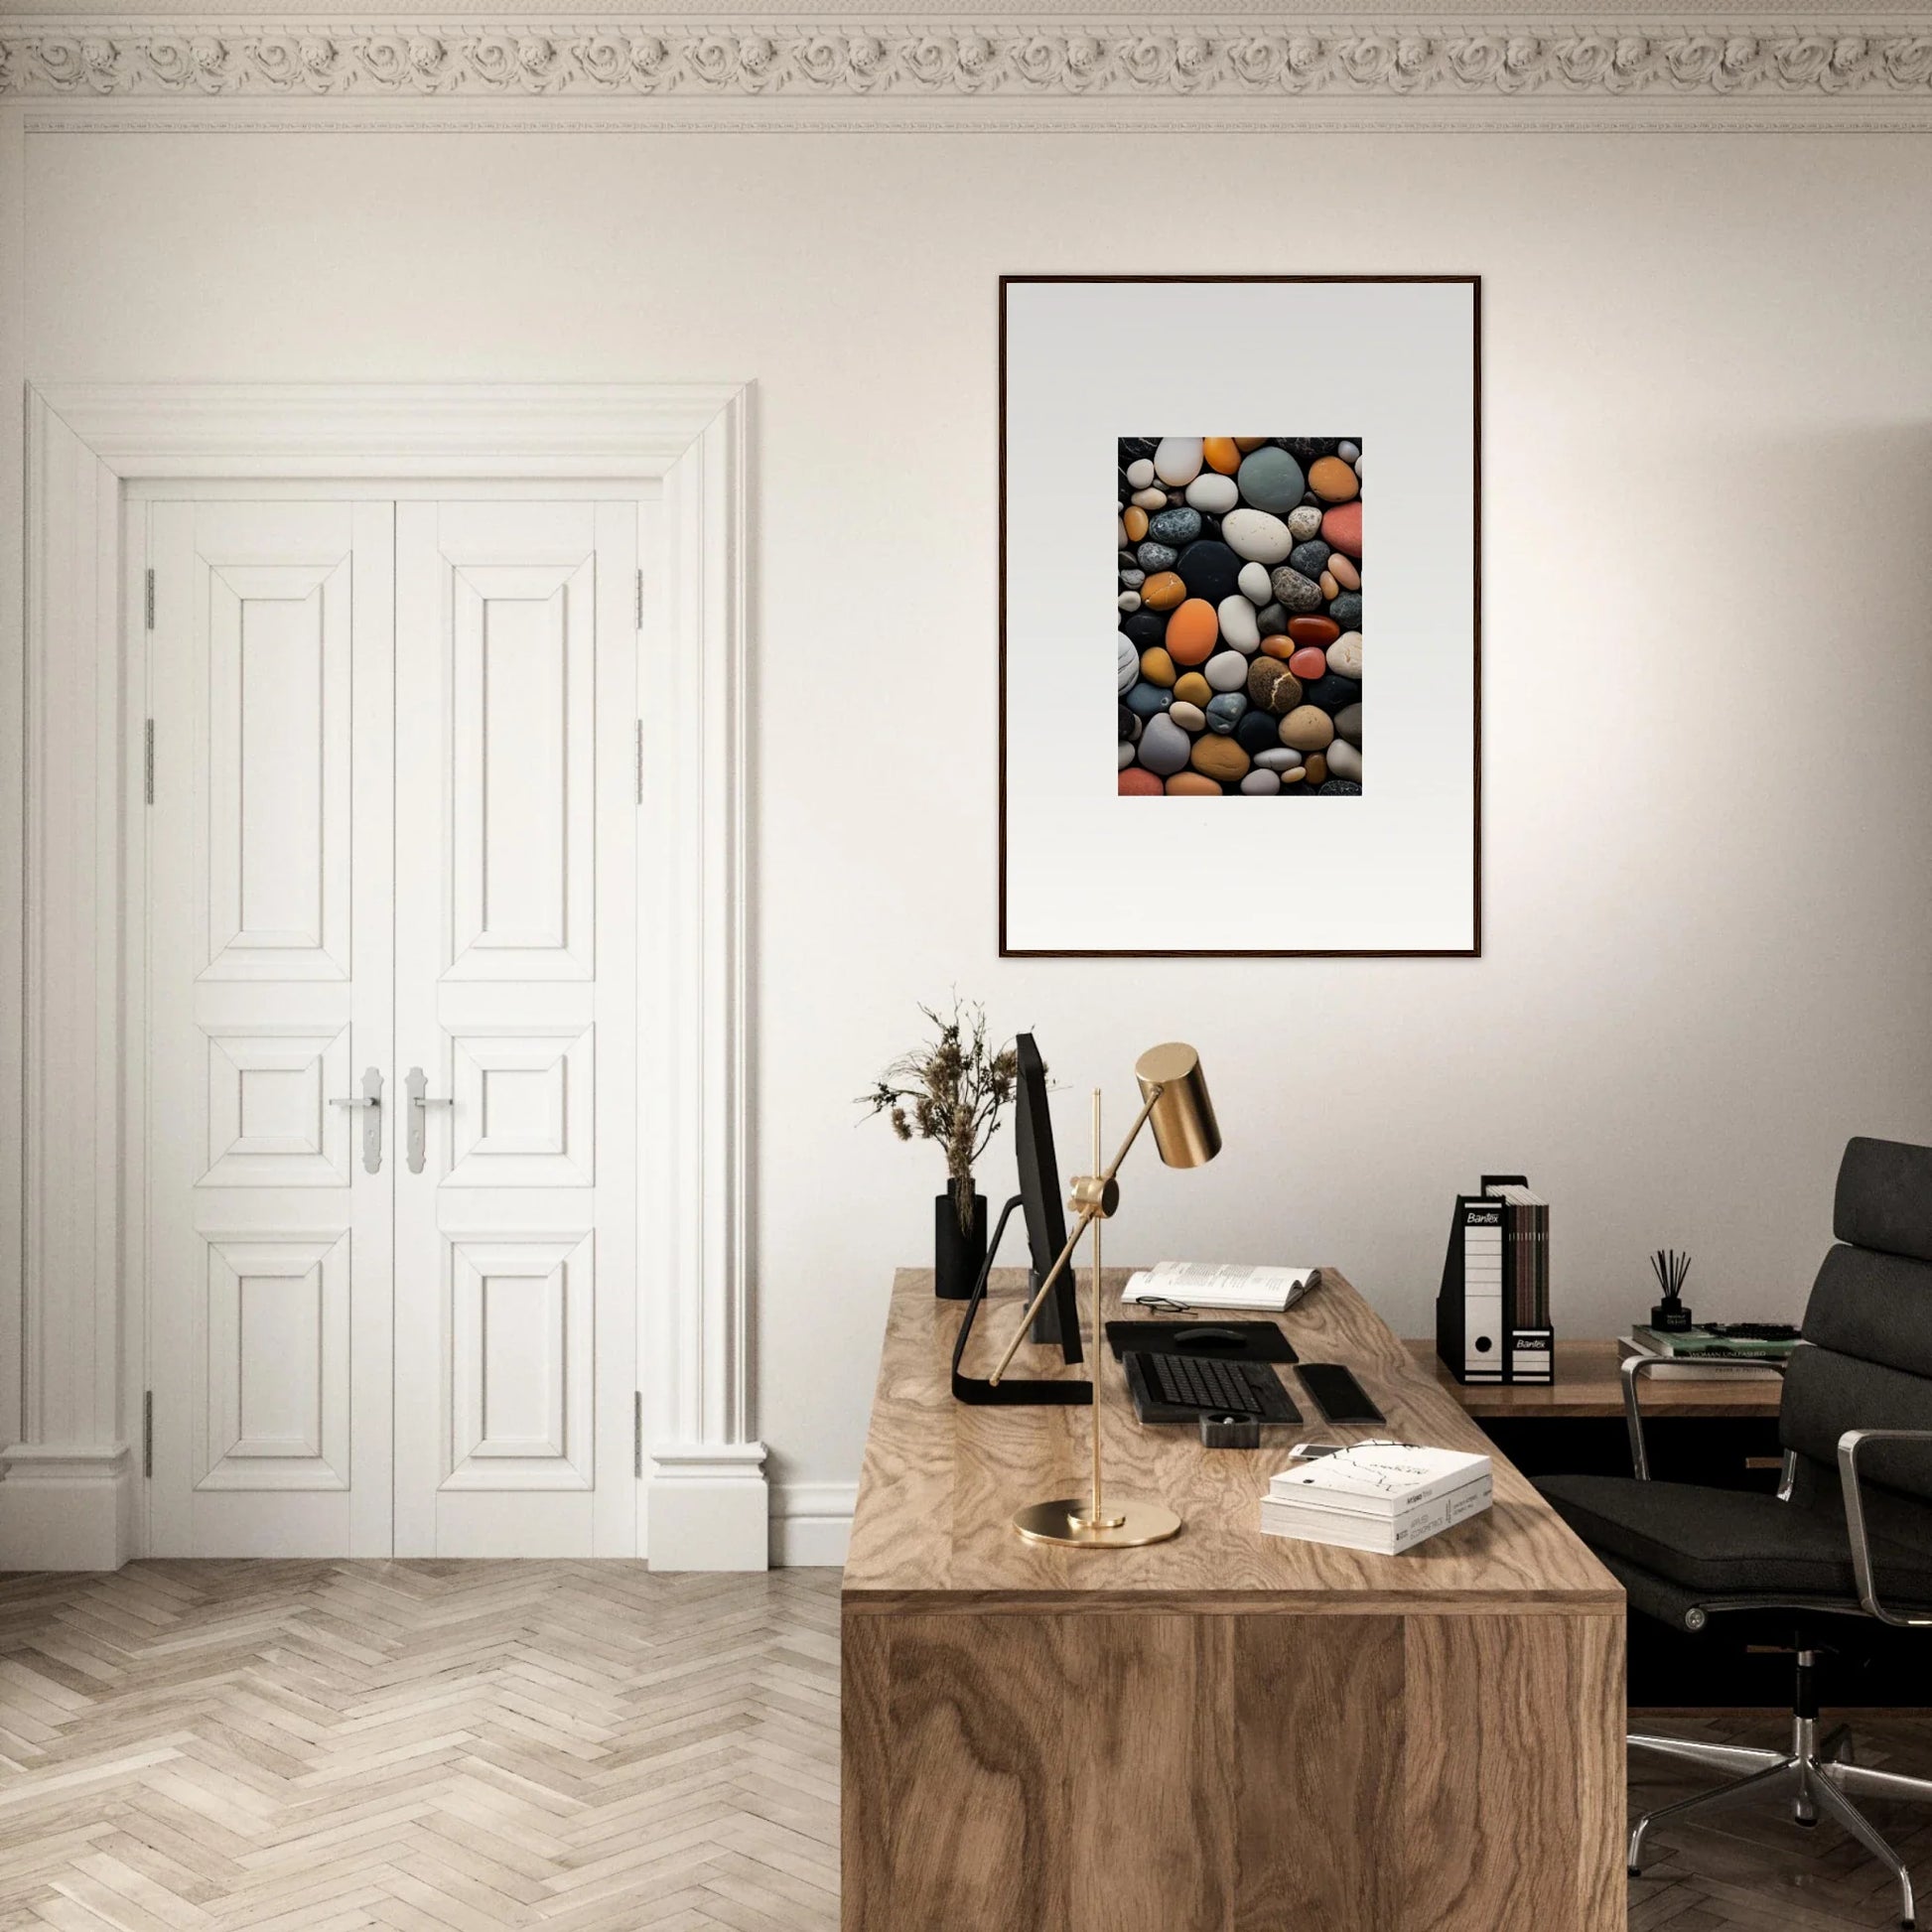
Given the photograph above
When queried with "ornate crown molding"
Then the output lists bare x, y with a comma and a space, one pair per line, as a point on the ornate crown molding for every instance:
1884, 72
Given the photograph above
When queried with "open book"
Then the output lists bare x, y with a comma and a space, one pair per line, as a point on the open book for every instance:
1216, 1285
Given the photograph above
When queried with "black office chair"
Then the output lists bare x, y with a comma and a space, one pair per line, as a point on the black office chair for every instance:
1849, 1536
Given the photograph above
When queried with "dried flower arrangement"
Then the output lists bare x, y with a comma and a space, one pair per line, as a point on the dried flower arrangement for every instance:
953, 1090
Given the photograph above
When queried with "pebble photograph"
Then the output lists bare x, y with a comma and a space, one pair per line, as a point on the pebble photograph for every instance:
1239, 599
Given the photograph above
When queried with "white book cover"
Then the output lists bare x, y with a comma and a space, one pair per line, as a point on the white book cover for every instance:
1382, 1478
1381, 1534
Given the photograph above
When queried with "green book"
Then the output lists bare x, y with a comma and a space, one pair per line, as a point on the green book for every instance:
1701, 1342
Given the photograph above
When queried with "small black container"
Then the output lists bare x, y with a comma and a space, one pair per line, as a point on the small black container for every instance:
957, 1256
1670, 1317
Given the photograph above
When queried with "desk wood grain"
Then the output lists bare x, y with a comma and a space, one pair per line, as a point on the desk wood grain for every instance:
1228, 1732
940, 1481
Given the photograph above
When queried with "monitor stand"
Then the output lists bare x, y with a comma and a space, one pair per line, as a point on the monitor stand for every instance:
1011, 1391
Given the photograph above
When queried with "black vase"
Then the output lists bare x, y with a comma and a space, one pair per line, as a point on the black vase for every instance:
957, 1256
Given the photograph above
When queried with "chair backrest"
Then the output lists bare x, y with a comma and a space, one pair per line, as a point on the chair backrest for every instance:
1869, 1327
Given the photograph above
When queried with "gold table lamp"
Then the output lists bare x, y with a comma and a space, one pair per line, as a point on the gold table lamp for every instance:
1174, 1102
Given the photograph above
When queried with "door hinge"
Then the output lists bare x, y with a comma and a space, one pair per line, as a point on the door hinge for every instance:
147, 1432
150, 597
640, 761
640, 599
638, 1434
147, 761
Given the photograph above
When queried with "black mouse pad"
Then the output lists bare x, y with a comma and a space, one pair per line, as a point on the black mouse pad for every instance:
1221, 1342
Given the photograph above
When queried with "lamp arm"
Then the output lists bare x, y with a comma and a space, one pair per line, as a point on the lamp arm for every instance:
1088, 1215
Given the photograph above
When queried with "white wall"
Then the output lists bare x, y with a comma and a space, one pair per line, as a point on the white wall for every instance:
1707, 660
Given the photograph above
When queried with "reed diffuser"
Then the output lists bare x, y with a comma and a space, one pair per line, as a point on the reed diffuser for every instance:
1670, 1315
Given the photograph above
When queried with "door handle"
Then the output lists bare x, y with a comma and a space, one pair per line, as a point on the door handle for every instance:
371, 1098
420, 1102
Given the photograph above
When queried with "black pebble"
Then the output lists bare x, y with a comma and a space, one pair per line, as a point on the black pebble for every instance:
1211, 526
1258, 730
1311, 558
1126, 560
1210, 570
1331, 691
1347, 610
1130, 725
1126, 488
1305, 449
1271, 620
1233, 790
1134, 447
1339, 788
1145, 629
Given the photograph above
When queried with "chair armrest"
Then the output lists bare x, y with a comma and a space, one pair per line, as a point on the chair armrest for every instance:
1849, 1445
1635, 1367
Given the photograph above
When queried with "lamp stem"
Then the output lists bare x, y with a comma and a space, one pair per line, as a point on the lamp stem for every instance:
1088, 1215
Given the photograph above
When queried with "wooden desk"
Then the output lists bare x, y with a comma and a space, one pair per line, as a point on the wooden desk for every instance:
1587, 1384
1227, 1732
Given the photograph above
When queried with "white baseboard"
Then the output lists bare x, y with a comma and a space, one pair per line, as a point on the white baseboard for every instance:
709, 1507
811, 1523
65, 1507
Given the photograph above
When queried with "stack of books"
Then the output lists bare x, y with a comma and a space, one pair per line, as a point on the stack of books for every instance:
1217, 1285
1381, 1496
1684, 1352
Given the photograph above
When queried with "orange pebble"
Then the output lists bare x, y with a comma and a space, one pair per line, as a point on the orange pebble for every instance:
1315, 768
1163, 591
1332, 480
1190, 784
1344, 572
1134, 519
1246, 442
1221, 454
1314, 631
1329, 586
1137, 781
1278, 646
1192, 632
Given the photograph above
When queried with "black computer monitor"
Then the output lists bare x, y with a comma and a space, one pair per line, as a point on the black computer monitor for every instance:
1038, 1200
1039, 1194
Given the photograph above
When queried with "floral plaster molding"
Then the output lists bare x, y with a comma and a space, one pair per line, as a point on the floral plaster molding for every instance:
1268, 72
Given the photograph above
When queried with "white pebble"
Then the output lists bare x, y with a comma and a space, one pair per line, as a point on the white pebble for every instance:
1227, 671
1261, 785
1139, 473
1130, 663
1178, 460
1126, 755
1189, 717
1254, 583
1256, 536
1344, 760
1149, 499
1213, 492
1277, 759
1238, 626
1127, 601
1120, 534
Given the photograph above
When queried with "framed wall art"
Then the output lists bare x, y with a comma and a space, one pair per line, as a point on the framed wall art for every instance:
1293, 466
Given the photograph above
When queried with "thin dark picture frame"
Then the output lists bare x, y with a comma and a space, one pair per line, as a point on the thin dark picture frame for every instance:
1472, 951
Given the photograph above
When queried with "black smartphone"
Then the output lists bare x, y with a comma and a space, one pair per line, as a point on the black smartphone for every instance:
1337, 1394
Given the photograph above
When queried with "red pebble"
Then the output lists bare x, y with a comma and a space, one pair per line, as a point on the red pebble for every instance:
1310, 663
1137, 781
1314, 631
1341, 528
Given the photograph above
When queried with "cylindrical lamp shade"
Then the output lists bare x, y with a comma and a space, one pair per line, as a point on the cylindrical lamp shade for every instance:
1185, 1128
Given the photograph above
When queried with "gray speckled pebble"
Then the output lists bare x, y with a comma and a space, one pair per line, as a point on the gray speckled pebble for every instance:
1305, 524
1174, 526
1295, 592
1152, 556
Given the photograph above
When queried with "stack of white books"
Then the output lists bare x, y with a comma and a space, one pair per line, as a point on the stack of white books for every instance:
1381, 1496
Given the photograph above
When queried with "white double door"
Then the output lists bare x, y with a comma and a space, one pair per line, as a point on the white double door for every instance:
390, 860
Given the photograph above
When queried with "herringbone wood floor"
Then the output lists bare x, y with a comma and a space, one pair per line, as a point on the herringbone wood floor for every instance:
439, 1746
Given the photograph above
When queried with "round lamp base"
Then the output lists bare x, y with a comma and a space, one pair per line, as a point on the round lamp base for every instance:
1064, 1520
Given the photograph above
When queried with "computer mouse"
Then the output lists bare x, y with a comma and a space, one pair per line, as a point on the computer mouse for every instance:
1209, 1338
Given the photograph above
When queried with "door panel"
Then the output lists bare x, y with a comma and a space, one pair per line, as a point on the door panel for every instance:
269, 896
515, 1243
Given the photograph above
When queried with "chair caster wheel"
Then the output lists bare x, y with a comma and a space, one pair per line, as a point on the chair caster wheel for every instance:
1633, 1871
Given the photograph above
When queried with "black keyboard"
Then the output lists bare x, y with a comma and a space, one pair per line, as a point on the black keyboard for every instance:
1753, 1330
1213, 1388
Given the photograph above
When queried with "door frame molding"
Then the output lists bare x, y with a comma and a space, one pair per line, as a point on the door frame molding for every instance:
70, 1464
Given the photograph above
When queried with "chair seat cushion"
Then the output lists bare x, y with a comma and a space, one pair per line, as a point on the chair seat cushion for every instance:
1728, 1542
